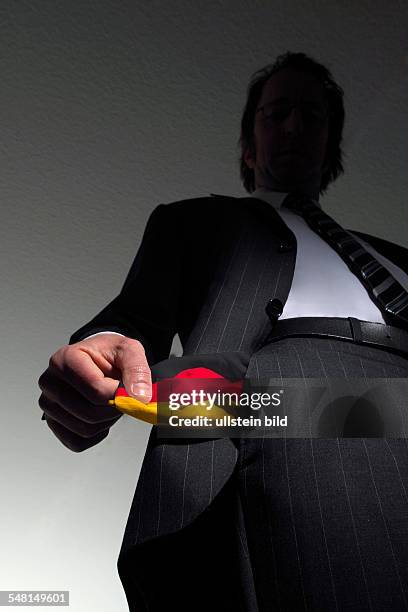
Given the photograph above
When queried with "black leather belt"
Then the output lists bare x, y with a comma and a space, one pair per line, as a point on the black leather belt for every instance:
351, 329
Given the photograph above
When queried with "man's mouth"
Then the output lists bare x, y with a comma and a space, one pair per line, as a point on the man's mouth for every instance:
291, 152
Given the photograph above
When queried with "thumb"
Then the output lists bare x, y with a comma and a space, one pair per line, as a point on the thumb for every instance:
136, 375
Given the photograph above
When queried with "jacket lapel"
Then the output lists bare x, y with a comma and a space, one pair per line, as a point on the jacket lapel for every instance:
256, 267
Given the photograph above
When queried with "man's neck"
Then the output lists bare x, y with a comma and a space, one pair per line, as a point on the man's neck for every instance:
309, 187
313, 192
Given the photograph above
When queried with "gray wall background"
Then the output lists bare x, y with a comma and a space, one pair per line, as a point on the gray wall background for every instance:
107, 109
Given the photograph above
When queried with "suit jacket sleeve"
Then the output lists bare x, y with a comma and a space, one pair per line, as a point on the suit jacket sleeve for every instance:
147, 306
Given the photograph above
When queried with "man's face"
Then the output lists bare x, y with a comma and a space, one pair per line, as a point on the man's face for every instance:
290, 132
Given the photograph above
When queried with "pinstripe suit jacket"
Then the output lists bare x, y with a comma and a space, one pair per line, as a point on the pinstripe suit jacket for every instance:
205, 269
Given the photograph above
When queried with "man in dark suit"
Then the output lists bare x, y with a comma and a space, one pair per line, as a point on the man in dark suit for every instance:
252, 288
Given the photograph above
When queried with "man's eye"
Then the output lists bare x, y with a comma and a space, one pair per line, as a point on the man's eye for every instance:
277, 115
311, 113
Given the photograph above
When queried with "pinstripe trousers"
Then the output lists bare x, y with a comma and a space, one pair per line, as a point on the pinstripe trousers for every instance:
325, 521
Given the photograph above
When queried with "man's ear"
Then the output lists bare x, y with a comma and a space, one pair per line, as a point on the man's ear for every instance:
249, 157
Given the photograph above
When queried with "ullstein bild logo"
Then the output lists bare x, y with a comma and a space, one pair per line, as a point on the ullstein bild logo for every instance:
228, 421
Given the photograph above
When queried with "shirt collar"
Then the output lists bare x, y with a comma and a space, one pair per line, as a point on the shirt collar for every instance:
275, 198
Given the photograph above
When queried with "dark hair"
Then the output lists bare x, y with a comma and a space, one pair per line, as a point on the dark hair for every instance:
334, 93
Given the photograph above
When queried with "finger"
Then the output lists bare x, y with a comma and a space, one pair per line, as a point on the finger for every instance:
61, 393
136, 374
71, 423
71, 440
77, 366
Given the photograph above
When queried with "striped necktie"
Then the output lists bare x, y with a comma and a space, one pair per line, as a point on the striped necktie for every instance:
385, 291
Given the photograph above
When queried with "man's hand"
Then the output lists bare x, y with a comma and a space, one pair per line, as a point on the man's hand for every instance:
82, 377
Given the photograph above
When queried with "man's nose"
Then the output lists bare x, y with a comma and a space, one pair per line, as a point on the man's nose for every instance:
294, 122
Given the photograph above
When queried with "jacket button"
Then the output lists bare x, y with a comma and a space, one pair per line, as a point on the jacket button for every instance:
285, 246
274, 309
